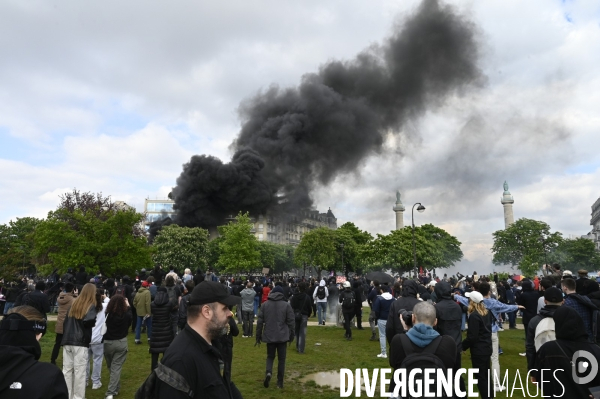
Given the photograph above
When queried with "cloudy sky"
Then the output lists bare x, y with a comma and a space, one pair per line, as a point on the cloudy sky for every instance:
114, 97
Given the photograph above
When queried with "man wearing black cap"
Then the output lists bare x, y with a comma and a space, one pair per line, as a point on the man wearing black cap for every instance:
553, 299
192, 354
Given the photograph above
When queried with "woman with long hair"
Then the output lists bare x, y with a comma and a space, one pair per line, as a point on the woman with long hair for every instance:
118, 320
77, 335
479, 340
22, 375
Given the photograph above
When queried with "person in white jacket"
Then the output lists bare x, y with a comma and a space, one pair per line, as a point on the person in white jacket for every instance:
96, 349
320, 296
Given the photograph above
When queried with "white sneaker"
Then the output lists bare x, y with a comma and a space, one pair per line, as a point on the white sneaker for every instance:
383, 356
523, 354
97, 386
109, 397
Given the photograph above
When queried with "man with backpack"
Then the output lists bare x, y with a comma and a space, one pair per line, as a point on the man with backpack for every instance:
347, 299
320, 296
541, 327
422, 347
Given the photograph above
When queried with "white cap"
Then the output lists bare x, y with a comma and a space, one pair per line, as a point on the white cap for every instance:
567, 273
432, 283
346, 284
475, 296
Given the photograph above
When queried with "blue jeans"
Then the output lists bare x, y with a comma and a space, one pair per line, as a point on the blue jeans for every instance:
512, 319
464, 320
381, 324
301, 333
321, 311
256, 302
138, 327
8, 306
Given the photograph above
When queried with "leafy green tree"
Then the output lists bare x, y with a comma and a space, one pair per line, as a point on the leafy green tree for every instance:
239, 247
91, 231
526, 243
447, 246
279, 258
214, 252
576, 254
355, 242
318, 248
395, 251
16, 246
181, 247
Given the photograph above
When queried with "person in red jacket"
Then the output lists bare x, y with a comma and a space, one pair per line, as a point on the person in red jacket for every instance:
266, 290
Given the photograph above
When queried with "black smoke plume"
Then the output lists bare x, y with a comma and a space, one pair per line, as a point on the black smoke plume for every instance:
295, 138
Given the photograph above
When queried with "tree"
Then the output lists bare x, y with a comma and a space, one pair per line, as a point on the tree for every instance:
526, 243
576, 254
447, 246
435, 248
355, 242
318, 248
89, 230
395, 251
16, 246
239, 247
181, 247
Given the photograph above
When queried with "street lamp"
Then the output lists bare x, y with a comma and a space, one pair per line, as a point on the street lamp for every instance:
420, 209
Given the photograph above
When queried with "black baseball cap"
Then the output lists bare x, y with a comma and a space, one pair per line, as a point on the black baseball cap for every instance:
553, 295
212, 291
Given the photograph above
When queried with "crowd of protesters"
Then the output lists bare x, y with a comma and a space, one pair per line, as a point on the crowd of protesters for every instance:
407, 316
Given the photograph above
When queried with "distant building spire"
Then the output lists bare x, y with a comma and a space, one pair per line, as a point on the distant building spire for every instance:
507, 201
399, 209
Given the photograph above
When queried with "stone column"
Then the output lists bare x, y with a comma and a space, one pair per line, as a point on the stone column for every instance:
507, 201
399, 209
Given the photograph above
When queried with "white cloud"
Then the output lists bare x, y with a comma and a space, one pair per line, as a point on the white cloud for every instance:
115, 97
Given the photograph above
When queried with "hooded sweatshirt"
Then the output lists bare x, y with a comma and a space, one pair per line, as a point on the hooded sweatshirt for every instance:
21, 375
382, 306
276, 320
321, 284
248, 295
448, 313
570, 338
407, 301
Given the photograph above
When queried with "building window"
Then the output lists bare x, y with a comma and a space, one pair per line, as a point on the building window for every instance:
260, 237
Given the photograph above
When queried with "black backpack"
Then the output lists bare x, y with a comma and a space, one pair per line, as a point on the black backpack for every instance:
422, 360
166, 375
348, 301
321, 292
173, 298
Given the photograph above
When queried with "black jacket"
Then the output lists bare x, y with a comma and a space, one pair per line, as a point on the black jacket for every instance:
162, 331
408, 302
182, 315
479, 335
36, 380
529, 299
78, 332
198, 362
275, 320
347, 293
546, 311
448, 313
301, 302
117, 327
570, 338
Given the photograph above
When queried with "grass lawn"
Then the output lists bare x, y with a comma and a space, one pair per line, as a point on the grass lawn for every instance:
334, 353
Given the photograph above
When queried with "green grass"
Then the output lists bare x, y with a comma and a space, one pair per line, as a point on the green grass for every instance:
249, 362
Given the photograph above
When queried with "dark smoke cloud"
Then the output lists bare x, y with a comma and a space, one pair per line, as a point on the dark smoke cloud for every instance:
294, 138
